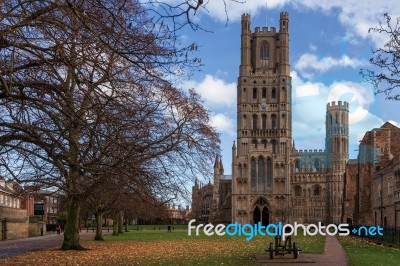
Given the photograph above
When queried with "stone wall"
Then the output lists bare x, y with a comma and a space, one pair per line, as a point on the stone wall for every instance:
350, 192
17, 222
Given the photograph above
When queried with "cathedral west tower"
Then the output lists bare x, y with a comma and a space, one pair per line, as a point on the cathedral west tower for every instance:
261, 157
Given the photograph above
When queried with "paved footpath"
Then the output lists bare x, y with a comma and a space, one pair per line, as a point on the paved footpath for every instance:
10, 248
334, 255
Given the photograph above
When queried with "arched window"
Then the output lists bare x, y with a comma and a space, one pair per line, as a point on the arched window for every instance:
269, 173
297, 191
254, 93
205, 210
254, 141
273, 121
254, 121
253, 176
264, 50
264, 93
274, 146
261, 175
317, 191
297, 166
273, 93
317, 166
337, 118
240, 171
264, 121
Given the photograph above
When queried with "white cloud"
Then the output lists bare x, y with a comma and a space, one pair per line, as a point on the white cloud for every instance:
215, 91
309, 111
308, 89
223, 123
309, 64
356, 16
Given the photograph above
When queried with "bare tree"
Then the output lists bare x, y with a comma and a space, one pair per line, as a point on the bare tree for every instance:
385, 73
81, 101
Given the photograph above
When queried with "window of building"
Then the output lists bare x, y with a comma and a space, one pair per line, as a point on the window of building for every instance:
317, 191
273, 121
273, 93
264, 121
253, 175
261, 175
264, 50
297, 191
254, 121
317, 166
297, 166
254, 93
269, 173
274, 146
264, 93
206, 205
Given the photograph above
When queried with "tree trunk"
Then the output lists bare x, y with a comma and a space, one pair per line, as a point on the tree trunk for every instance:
99, 226
120, 222
71, 233
115, 224
126, 224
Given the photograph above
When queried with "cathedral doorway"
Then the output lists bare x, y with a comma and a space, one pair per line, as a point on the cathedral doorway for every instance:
256, 215
265, 217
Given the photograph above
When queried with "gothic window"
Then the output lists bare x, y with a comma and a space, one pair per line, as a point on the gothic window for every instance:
273, 121
240, 171
264, 93
274, 146
269, 173
254, 141
264, 50
297, 191
253, 176
261, 202
273, 93
337, 118
317, 166
317, 191
254, 121
254, 93
205, 210
264, 121
261, 174
264, 142
297, 166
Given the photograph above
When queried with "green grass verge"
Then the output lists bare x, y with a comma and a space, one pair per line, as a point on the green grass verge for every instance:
361, 252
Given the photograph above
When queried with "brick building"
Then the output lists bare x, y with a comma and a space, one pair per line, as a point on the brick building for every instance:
385, 198
376, 150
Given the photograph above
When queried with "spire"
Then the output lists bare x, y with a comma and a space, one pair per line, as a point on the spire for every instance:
221, 166
294, 146
216, 164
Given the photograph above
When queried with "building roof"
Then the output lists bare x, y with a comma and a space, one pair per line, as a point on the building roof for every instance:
226, 177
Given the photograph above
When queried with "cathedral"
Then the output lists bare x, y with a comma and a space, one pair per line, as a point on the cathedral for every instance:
271, 180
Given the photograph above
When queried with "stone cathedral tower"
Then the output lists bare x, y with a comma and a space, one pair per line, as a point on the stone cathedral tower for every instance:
336, 145
271, 180
261, 158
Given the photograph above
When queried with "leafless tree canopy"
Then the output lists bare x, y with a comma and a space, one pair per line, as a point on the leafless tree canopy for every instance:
385, 74
85, 97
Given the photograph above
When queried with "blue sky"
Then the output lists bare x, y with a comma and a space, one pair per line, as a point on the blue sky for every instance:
329, 43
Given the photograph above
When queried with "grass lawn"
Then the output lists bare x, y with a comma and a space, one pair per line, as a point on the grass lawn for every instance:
149, 247
361, 252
